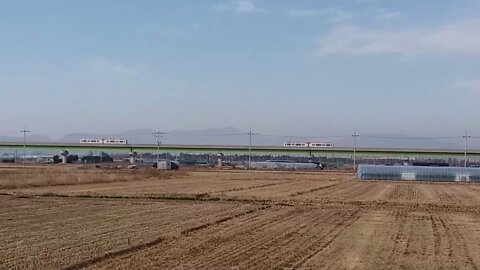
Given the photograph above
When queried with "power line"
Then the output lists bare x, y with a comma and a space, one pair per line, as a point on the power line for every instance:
410, 137
158, 135
355, 136
286, 136
24, 131
250, 133
466, 137
302, 137
205, 134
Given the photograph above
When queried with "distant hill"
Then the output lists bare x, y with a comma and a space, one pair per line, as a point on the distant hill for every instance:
368, 142
234, 136
33, 138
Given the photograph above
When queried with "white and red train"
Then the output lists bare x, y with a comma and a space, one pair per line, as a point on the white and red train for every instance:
287, 144
103, 141
309, 144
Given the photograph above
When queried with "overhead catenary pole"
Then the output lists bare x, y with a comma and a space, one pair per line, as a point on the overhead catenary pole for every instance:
355, 135
24, 131
466, 137
158, 135
250, 150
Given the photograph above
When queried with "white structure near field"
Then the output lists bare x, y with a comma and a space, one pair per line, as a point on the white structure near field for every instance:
418, 173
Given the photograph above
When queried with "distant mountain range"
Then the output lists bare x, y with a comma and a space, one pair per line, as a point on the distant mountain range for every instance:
234, 136
31, 138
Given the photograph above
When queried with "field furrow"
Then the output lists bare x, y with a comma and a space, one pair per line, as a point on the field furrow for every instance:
238, 220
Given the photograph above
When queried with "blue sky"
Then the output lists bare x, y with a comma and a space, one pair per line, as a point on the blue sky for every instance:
280, 67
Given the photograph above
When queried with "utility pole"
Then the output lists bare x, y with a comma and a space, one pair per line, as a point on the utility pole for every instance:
355, 135
158, 135
250, 150
466, 137
24, 131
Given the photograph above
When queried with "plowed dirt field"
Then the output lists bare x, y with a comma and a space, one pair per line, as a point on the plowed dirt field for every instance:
242, 220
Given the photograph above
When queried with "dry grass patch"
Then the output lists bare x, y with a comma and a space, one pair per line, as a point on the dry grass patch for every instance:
21, 178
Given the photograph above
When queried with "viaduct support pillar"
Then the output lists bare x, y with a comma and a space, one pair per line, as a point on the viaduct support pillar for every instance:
64, 156
220, 160
133, 157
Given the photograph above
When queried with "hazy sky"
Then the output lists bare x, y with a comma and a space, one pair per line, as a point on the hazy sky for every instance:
287, 67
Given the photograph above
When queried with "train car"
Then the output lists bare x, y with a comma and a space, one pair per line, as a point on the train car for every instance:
104, 141
309, 144
91, 141
295, 144
114, 141
320, 144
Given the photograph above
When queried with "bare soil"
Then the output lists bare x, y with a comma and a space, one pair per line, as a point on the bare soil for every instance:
241, 220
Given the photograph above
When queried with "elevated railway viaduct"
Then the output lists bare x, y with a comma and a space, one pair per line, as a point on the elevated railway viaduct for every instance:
243, 150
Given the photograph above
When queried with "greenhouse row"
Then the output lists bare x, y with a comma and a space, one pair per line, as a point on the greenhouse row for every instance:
418, 173
283, 165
